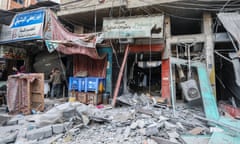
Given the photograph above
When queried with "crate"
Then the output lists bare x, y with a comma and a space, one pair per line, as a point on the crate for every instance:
81, 84
94, 98
92, 84
82, 97
73, 84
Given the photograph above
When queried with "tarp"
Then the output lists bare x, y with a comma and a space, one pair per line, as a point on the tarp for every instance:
70, 43
231, 22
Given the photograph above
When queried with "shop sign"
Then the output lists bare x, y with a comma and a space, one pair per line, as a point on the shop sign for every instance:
133, 27
25, 26
9, 52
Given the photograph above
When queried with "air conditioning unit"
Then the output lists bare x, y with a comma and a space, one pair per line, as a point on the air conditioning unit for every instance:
126, 41
190, 90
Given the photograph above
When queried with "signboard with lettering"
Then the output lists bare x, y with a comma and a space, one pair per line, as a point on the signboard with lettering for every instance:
25, 26
133, 27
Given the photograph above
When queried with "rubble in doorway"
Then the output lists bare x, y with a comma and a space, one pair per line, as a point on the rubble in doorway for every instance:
141, 122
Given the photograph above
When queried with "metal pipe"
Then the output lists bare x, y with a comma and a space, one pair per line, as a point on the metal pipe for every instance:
172, 90
234, 45
189, 62
116, 90
223, 56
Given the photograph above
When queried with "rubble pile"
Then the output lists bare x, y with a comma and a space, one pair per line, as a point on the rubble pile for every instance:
143, 122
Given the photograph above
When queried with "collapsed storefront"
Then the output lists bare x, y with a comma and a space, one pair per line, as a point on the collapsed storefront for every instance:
139, 40
39, 33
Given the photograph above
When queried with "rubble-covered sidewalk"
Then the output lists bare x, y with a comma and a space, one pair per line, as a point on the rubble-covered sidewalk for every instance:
143, 122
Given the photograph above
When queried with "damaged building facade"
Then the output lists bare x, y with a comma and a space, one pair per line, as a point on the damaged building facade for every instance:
150, 55
190, 31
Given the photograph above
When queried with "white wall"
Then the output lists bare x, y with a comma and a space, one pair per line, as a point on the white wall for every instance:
3, 4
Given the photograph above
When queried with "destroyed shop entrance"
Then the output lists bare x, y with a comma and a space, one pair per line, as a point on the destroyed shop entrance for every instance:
144, 72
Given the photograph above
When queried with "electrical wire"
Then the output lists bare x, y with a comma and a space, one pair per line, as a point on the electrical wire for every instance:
175, 5
150, 59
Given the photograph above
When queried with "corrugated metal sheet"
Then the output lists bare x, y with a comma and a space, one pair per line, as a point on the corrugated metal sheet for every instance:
231, 23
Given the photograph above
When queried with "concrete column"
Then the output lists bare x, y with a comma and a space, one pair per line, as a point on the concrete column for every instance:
167, 49
209, 48
3, 4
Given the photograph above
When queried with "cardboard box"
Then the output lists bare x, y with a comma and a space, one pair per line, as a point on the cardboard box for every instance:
82, 97
94, 98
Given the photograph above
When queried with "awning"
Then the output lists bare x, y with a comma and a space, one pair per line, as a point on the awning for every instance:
70, 43
231, 22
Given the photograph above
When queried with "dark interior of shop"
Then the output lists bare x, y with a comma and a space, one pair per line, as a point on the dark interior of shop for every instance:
144, 73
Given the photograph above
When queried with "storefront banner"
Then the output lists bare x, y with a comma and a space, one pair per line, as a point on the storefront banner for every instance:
25, 26
133, 27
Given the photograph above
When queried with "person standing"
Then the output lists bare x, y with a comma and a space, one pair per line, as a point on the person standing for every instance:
56, 80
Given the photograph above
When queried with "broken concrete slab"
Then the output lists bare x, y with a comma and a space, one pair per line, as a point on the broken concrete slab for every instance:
58, 128
8, 138
7, 129
150, 131
127, 132
85, 119
133, 126
173, 134
169, 125
140, 123
160, 140
40, 133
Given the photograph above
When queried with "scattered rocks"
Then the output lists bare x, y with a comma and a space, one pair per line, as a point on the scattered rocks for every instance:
78, 123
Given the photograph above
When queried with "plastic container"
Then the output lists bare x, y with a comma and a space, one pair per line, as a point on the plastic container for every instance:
94, 84
81, 84
73, 84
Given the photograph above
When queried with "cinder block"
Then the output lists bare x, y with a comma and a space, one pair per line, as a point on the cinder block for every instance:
58, 128
43, 132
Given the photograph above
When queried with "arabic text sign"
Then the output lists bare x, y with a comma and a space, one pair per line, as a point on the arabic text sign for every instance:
136, 27
25, 26
28, 18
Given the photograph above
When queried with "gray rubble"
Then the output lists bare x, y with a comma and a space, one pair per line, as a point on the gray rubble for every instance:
140, 122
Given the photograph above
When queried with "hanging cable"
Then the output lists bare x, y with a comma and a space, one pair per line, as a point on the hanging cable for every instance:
95, 19
150, 59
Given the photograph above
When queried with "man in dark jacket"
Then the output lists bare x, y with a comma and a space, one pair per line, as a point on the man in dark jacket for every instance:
56, 79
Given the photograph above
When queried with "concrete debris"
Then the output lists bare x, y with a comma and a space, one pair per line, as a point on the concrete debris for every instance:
196, 130
8, 138
152, 130
134, 125
135, 99
79, 123
58, 128
40, 133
